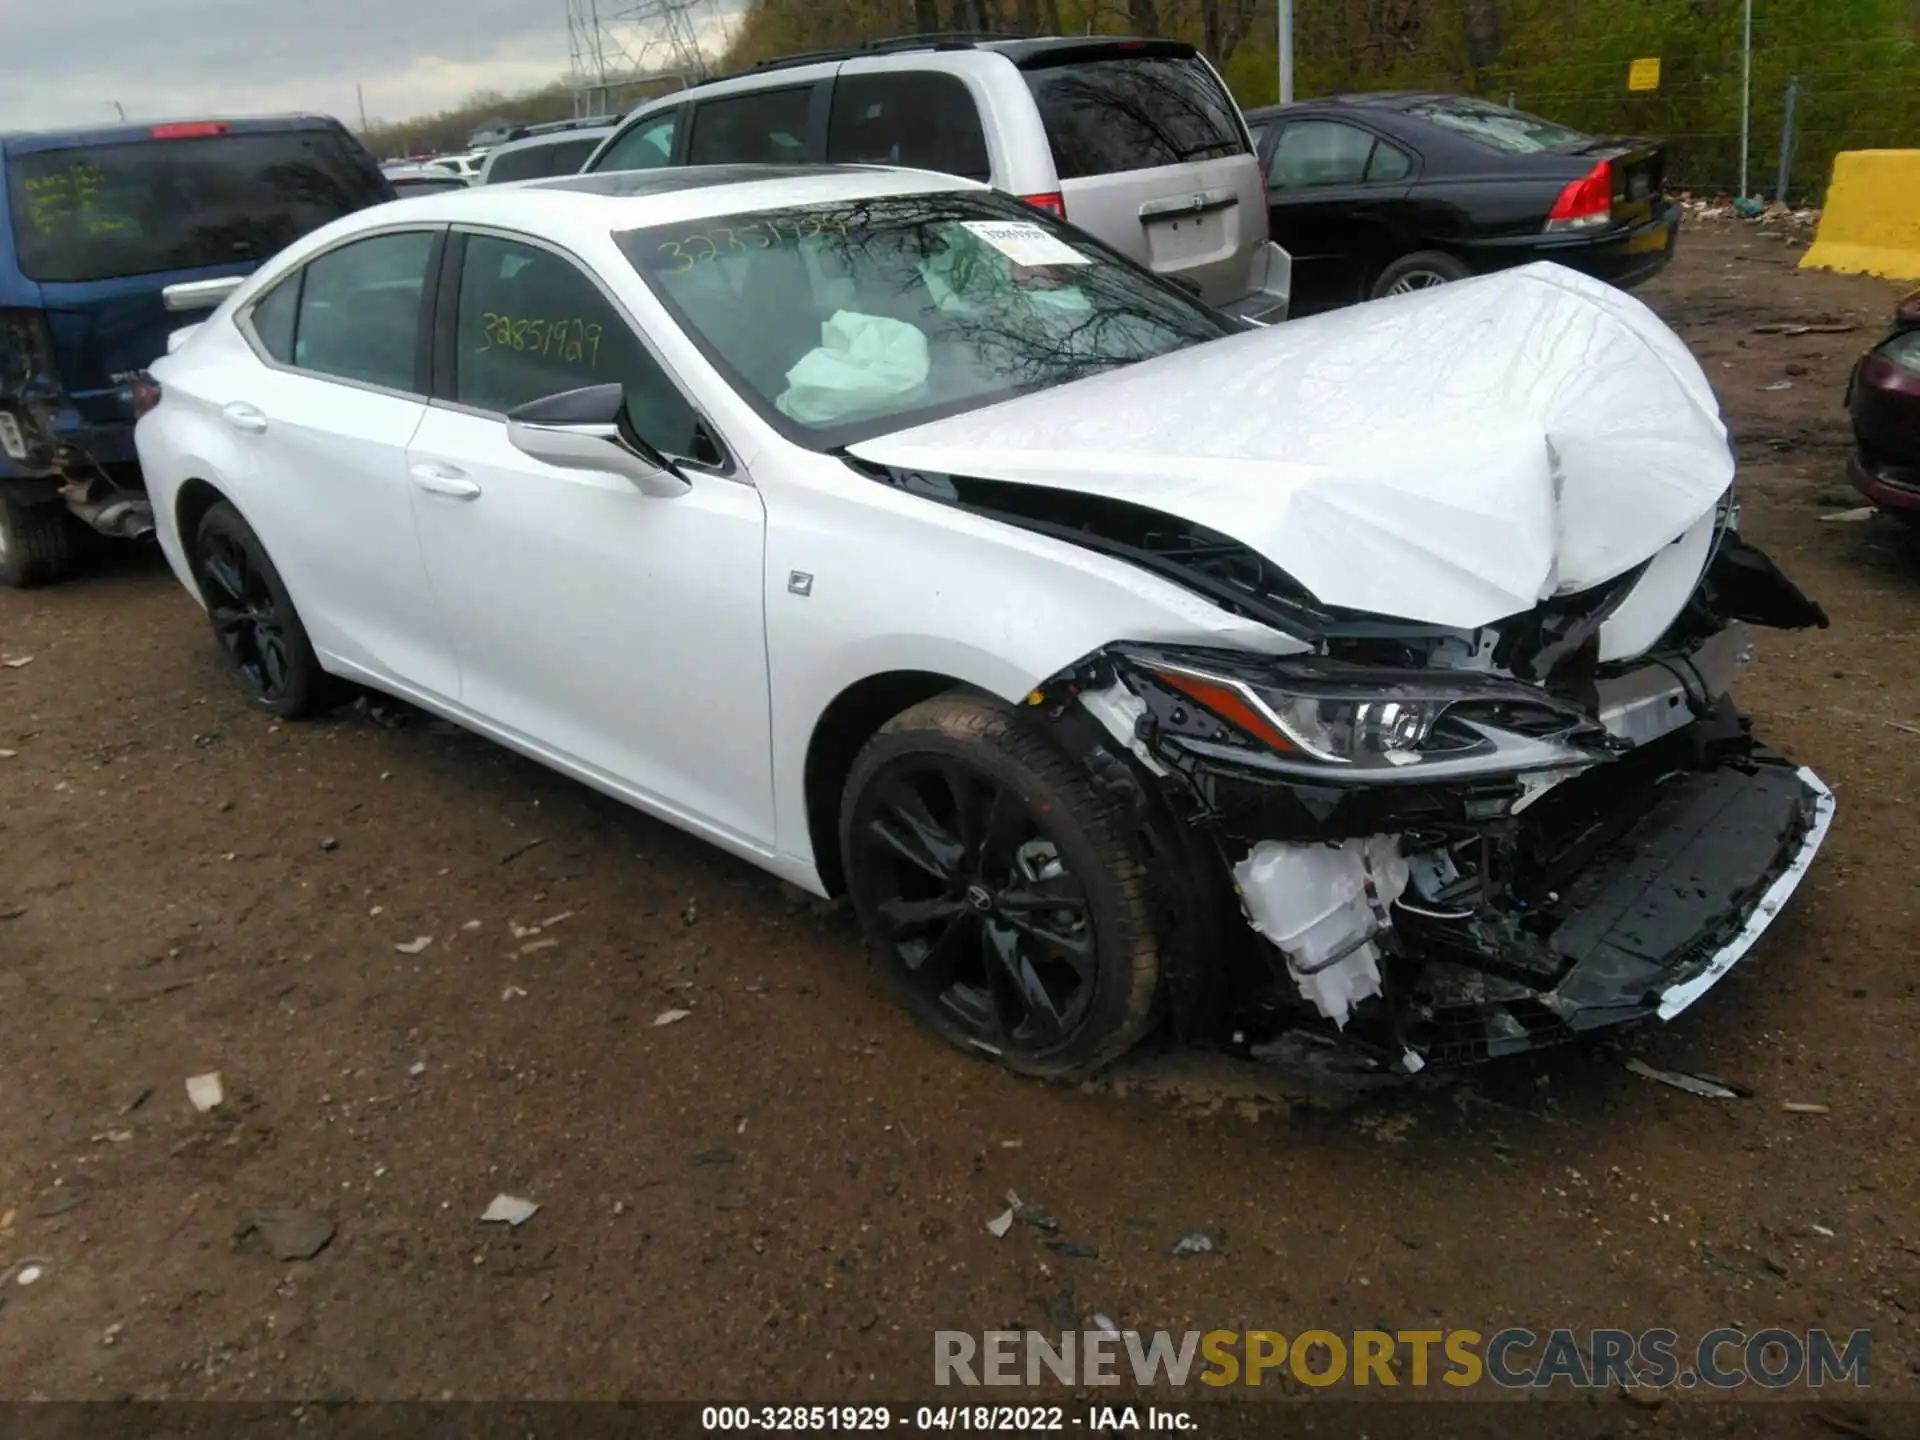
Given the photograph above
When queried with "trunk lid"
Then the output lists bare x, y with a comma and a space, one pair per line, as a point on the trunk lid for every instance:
1639, 176
1452, 456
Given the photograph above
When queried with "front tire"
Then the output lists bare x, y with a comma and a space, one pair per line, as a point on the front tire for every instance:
36, 543
1422, 270
997, 889
254, 620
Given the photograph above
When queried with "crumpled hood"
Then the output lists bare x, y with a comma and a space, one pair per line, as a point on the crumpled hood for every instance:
1451, 456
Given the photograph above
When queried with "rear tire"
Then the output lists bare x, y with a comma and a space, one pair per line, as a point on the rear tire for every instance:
998, 890
36, 543
254, 621
1422, 270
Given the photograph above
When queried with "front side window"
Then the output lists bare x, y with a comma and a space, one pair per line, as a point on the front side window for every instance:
761, 127
647, 146
845, 321
360, 305
531, 324
922, 119
1110, 115
99, 212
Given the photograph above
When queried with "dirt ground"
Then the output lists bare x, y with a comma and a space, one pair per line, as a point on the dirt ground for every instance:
784, 1194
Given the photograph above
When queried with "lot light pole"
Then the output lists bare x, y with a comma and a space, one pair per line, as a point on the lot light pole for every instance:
1284, 29
1746, 87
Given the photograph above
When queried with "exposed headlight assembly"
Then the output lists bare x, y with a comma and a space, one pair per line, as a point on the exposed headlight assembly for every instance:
1339, 722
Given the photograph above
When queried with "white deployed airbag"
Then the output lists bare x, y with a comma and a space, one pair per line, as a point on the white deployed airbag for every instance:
862, 362
1451, 456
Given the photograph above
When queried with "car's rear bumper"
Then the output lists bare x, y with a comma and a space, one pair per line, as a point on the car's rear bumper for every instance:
1620, 257
1271, 297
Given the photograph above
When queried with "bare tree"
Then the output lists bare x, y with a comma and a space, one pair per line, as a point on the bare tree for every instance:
1223, 25
1483, 34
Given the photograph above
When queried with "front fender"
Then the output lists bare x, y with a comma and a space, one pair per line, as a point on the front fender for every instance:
864, 580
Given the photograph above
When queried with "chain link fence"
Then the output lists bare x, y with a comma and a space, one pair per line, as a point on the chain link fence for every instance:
1826, 75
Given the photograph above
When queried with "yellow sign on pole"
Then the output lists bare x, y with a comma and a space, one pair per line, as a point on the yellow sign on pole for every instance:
1644, 74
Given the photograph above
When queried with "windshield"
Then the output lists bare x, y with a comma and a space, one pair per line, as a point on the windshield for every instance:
98, 212
844, 321
1514, 131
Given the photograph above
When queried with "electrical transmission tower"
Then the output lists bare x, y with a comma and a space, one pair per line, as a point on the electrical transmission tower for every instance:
616, 45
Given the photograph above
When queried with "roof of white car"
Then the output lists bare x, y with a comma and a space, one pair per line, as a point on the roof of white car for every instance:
636, 199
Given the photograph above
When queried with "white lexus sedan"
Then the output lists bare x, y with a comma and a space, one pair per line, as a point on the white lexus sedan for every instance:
1359, 683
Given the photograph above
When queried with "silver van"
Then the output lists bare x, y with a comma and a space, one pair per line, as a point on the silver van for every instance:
1136, 142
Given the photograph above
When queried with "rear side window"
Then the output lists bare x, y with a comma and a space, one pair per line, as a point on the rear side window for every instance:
360, 310
647, 146
923, 119
536, 162
273, 318
761, 127
98, 212
1325, 152
1134, 113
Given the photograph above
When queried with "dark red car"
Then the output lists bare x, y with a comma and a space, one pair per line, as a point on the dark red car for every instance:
1884, 398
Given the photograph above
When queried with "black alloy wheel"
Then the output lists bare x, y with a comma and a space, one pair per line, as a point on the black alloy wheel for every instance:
254, 619
991, 881
246, 617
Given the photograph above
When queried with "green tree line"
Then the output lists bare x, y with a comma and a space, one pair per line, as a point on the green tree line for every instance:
1857, 61
1853, 65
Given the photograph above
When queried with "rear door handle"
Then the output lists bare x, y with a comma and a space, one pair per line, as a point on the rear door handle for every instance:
448, 480
247, 419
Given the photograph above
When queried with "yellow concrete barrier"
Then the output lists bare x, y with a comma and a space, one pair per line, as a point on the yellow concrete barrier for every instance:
1871, 223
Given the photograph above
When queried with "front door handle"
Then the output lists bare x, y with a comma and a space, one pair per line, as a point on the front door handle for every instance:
448, 480
247, 419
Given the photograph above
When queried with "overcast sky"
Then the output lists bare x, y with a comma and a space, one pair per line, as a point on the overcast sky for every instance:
65, 62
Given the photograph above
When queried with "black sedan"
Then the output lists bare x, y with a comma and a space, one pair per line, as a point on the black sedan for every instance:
1380, 194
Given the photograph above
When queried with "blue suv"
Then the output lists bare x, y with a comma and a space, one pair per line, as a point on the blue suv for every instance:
109, 240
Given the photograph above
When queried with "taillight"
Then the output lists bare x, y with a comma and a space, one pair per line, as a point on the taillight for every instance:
146, 394
188, 130
1054, 203
1585, 203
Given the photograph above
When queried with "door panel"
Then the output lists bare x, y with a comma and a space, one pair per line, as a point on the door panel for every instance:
327, 426
1336, 193
332, 502
622, 631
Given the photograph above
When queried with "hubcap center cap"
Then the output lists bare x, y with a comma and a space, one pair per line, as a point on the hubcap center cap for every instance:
979, 898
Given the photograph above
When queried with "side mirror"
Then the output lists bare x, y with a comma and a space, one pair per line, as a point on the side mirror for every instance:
588, 430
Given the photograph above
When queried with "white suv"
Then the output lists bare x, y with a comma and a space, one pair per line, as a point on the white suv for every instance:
1136, 142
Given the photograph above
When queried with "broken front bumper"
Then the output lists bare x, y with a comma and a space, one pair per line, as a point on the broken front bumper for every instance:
1644, 930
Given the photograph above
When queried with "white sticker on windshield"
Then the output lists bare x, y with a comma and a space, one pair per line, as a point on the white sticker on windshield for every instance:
1025, 243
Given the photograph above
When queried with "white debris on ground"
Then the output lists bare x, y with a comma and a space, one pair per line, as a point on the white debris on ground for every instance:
204, 1090
509, 1210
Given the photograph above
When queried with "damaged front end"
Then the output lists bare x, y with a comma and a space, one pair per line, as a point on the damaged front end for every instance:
1450, 846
